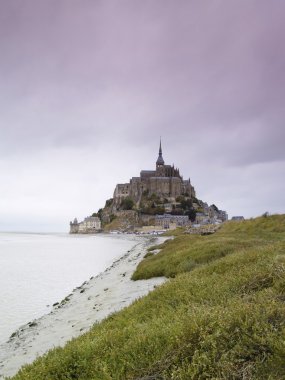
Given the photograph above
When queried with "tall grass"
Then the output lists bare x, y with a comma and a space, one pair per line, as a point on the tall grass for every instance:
221, 316
185, 252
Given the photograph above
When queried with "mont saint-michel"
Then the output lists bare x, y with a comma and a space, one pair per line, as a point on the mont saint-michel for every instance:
165, 182
156, 199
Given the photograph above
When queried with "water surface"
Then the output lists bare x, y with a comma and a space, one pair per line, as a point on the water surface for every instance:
37, 270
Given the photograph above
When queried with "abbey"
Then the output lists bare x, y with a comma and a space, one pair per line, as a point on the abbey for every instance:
165, 182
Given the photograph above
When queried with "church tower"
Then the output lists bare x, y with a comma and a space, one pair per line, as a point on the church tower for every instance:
160, 170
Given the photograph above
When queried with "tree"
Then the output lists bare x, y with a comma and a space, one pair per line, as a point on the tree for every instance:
215, 207
127, 203
98, 214
186, 204
157, 210
109, 202
177, 211
180, 198
191, 215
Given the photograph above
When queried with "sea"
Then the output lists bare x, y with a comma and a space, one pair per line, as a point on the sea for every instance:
38, 270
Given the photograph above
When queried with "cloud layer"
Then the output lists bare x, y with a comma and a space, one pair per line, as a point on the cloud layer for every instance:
88, 87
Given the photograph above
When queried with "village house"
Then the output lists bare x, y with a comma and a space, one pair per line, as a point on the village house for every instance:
168, 221
90, 224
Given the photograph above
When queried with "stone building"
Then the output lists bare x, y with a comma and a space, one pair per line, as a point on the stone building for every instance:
166, 221
91, 224
165, 181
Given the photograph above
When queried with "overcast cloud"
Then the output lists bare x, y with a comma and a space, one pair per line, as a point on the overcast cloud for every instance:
87, 87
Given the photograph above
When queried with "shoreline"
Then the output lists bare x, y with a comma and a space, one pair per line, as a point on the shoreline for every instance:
94, 300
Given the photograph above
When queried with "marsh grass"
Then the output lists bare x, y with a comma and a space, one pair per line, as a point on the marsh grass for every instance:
187, 252
221, 316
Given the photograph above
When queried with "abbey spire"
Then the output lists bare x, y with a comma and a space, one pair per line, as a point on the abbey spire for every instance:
160, 160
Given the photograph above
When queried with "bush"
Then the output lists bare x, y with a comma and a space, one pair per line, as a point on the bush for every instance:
156, 210
109, 202
112, 217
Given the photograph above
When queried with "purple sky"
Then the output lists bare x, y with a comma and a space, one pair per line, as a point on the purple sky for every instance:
87, 87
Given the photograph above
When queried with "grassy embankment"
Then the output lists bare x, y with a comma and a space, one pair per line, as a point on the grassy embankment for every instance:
220, 316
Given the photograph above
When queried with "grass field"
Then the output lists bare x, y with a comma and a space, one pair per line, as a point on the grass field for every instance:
221, 315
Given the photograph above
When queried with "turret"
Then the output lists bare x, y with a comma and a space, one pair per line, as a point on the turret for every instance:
74, 227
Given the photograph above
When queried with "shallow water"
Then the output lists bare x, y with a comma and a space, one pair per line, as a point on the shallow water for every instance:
37, 270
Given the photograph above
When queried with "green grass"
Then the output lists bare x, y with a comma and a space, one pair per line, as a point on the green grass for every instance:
185, 252
220, 316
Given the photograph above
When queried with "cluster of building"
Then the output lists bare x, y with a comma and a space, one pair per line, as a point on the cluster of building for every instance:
210, 215
90, 224
164, 183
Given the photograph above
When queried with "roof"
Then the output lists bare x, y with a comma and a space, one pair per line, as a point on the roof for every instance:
92, 219
160, 161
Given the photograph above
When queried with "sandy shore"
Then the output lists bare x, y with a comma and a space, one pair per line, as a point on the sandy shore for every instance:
94, 300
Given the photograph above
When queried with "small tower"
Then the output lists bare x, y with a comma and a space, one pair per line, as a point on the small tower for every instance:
74, 227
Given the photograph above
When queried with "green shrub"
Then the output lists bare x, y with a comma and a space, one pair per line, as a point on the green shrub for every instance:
127, 204
112, 217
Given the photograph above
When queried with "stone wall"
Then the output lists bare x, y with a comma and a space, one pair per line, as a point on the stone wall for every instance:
121, 191
74, 228
166, 187
147, 219
125, 220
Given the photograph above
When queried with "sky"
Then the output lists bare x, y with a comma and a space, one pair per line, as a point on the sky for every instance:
88, 87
